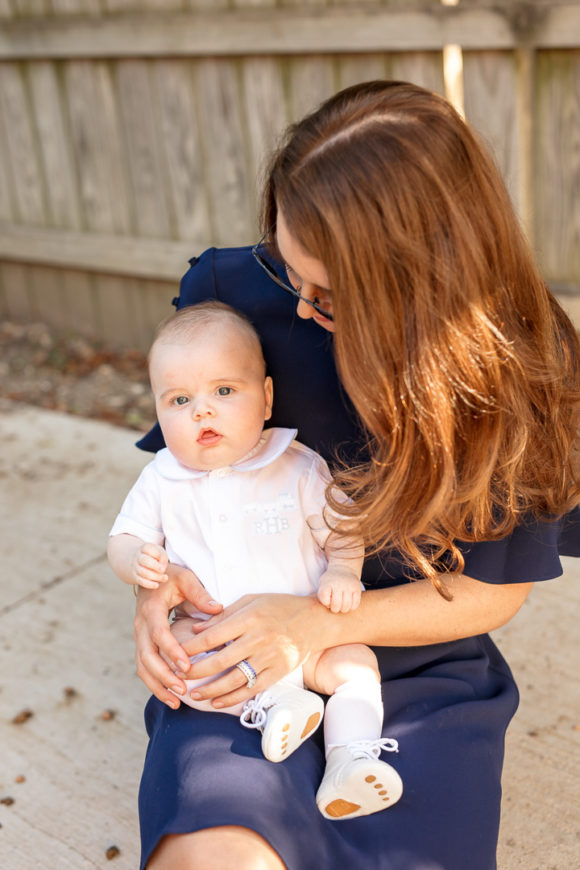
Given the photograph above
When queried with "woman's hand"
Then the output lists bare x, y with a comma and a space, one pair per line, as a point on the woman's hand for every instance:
152, 633
273, 633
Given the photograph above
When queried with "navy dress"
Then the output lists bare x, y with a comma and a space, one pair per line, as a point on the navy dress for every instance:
447, 704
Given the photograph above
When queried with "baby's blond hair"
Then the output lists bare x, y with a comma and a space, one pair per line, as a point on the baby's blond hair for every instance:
182, 326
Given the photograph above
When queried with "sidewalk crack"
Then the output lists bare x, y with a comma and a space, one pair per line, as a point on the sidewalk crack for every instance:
50, 584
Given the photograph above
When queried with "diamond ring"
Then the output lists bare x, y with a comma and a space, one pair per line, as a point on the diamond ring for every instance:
248, 672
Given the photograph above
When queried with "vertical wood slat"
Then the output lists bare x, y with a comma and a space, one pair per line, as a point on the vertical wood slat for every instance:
557, 165
46, 294
490, 106
75, 7
312, 80
421, 68
30, 7
19, 139
144, 165
79, 313
206, 4
55, 148
17, 304
360, 68
265, 112
97, 147
186, 187
525, 62
225, 164
7, 210
245, 4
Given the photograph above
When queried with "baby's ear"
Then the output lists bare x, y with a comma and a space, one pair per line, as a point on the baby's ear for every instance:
269, 396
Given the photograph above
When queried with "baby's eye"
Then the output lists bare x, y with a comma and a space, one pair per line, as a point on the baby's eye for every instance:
180, 400
224, 391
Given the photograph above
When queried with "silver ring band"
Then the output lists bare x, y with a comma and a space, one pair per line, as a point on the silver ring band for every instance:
248, 672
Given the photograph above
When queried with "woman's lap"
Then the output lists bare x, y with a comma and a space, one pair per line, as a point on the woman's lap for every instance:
449, 714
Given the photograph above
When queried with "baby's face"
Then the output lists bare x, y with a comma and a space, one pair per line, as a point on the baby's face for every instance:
211, 396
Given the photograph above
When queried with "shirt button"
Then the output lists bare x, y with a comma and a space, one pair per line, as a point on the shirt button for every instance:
222, 518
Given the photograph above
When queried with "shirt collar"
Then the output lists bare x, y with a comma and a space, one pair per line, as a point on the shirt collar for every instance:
272, 444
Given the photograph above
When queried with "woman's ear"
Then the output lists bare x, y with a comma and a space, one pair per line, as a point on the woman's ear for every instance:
269, 396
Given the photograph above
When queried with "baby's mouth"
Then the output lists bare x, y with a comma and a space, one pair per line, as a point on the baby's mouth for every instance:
209, 437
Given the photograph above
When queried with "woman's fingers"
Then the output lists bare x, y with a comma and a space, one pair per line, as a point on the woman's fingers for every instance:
232, 687
152, 634
265, 630
155, 644
157, 676
228, 697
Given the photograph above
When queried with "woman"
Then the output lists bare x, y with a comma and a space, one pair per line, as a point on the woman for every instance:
412, 274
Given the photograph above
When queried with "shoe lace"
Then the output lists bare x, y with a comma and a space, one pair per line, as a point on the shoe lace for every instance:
255, 711
371, 748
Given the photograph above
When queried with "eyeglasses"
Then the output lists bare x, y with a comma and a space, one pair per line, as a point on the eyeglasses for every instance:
295, 291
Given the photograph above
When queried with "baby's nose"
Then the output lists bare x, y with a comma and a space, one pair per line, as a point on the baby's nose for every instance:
203, 409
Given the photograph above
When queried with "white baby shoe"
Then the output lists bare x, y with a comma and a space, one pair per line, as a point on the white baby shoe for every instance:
356, 783
286, 716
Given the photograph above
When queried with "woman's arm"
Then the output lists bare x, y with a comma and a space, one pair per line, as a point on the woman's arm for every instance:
276, 633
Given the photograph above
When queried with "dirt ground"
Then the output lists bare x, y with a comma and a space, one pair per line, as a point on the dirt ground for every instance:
74, 375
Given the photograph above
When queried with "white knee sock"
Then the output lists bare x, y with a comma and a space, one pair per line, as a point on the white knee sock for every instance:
354, 712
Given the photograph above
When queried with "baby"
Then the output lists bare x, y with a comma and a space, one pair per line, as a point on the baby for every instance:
243, 508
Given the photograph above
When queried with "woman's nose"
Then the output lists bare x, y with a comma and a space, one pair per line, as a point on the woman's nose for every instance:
304, 310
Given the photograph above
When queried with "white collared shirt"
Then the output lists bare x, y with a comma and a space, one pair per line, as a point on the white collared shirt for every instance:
253, 527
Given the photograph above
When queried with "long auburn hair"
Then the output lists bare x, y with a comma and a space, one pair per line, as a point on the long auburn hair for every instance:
460, 363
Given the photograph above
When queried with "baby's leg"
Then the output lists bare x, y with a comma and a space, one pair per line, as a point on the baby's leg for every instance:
355, 782
182, 630
350, 675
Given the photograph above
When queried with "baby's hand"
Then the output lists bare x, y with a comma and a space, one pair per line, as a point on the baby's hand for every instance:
339, 590
149, 566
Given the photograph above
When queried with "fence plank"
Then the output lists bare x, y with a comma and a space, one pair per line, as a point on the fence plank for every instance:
54, 144
225, 161
148, 179
7, 210
46, 294
176, 109
153, 300
197, 5
557, 164
79, 312
265, 112
117, 319
15, 292
95, 252
30, 7
20, 142
490, 106
356, 68
97, 148
281, 31
75, 7
421, 68
312, 80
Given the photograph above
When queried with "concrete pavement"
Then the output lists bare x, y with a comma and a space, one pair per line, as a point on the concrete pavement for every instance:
71, 706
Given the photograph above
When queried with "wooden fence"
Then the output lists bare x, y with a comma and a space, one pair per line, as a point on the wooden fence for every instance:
133, 132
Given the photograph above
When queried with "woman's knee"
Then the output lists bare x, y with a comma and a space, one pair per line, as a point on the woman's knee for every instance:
215, 849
